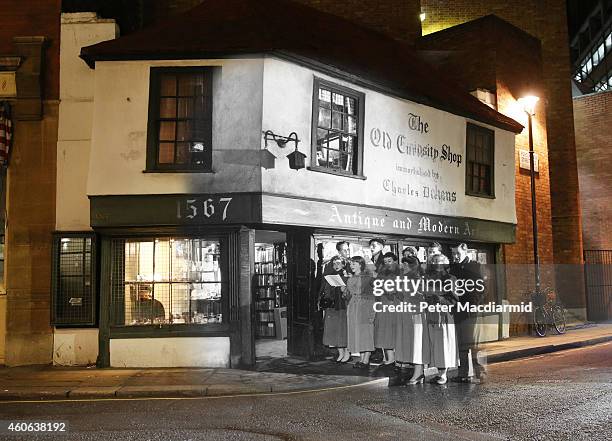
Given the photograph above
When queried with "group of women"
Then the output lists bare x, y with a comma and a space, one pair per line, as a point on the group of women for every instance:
408, 340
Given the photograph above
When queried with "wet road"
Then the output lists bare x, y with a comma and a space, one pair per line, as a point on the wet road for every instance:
561, 396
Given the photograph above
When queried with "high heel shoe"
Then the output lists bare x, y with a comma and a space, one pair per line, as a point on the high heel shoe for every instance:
418, 380
441, 380
343, 361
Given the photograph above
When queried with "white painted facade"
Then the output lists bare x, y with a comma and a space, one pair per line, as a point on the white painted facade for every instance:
170, 352
119, 141
258, 94
75, 346
288, 90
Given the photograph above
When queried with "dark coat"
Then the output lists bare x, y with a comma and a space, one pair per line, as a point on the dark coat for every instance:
468, 270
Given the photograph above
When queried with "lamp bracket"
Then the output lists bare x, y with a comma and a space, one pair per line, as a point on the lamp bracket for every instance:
280, 140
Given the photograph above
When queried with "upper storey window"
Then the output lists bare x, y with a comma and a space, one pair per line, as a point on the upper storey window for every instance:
180, 119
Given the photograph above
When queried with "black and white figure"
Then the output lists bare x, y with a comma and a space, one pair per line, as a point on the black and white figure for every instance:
441, 324
376, 248
385, 321
468, 323
411, 338
334, 304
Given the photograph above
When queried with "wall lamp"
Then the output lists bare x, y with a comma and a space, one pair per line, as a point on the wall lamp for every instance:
297, 159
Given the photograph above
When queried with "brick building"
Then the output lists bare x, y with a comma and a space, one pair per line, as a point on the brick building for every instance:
30, 35
593, 118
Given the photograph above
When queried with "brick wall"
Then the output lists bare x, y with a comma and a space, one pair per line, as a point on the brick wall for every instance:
546, 20
490, 53
593, 119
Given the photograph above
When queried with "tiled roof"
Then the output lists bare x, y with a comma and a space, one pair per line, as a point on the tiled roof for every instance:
222, 28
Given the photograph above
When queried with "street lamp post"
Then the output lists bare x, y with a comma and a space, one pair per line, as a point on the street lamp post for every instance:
528, 104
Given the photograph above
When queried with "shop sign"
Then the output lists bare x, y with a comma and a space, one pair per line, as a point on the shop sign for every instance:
524, 161
8, 85
174, 210
378, 220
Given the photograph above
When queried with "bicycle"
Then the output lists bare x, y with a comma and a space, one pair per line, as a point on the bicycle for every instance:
547, 311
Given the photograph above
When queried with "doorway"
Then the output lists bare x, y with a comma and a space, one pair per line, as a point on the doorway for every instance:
270, 294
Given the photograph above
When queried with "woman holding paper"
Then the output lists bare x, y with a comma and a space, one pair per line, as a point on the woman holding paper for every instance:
332, 301
360, 312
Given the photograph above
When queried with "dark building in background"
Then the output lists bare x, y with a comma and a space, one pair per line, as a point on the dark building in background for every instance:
591, 49
591, 53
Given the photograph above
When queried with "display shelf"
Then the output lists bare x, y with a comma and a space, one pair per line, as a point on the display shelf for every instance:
270, 286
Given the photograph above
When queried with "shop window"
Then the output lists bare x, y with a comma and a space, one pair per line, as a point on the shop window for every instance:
479, 168
337, 131
73, 283
180, 120
173, 281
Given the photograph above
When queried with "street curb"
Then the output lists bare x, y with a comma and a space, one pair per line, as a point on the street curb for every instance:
546, 349
178, 391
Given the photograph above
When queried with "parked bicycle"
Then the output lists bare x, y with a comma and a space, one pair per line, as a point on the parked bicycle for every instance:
547, 311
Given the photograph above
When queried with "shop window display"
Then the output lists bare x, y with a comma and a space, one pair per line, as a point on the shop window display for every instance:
167, 281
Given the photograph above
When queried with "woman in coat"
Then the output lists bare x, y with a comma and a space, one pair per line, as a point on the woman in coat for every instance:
385, 321
360, 312
334, 324
443, 352
411, 337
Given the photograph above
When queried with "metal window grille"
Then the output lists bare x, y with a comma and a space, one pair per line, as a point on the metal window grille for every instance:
74, 294
337, 129
479, 166
166, 281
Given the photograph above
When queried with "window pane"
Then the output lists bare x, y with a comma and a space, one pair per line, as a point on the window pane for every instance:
199, 107
167, 130
167, 108
198, 128
185, 108
338, 102
325, 98
336, 121
350, 106
191, 84
71, 264
350, 124
184, 131
166, 153
168, 85
322, 157
324, 118
182, 152
334, 158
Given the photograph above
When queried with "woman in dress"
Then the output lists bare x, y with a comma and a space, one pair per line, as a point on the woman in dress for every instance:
411, 338
334, 324
360, 312
443, 352
385, 321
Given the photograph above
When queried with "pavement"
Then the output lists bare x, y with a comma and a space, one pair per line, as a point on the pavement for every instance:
273, 376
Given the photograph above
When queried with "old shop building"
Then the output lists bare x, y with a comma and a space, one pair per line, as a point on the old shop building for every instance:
224, 154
